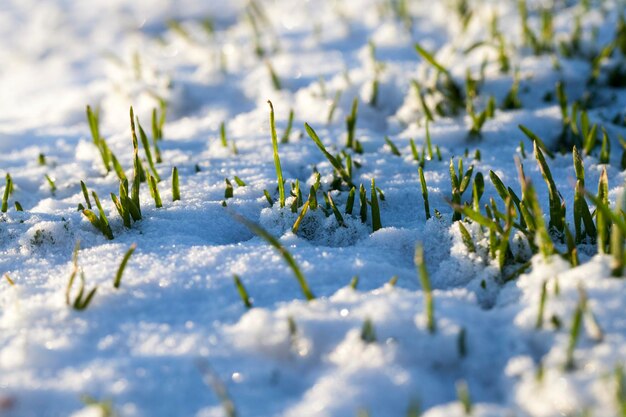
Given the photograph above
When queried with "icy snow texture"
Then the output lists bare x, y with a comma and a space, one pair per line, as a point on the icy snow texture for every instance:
139, 346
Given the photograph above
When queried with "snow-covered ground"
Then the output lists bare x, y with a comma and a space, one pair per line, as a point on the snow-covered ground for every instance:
176, 334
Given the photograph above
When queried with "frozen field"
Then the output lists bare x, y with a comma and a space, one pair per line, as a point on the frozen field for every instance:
482, 274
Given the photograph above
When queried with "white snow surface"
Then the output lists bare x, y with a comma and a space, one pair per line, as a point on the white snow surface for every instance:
144, 348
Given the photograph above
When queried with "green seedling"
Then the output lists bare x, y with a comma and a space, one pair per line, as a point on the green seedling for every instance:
275, 80
303, 211
176, 185
582, 215
376, 223
337, 165
351, 125
120, 271
542, 305
219, 388
146, 148
275, 243
557, 204
602, 216
392, 146
363, 203
350, 200
449, 88
617, 238
99, 221
154, 191
228, 193
51, 183
512, 101
422, 99
575, 332
536, 139
41, 159
467, 238
268, 197
285, 138
354, 282
83, 187
137, 169
279, 171
243, 294
460, 183
18, 206
99, 141
81, 302
429, 307
424, 192
223, 135
336, 211
7, 192
462, 392
333, 107
368, 333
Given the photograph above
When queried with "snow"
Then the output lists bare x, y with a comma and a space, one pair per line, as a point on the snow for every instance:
143, 349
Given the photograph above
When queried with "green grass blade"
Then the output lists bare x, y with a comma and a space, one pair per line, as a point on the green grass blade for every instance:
534, 138
425, 282
279, 171
243, 294
275, 243
333, 161
175, 185
120, 271
376, 223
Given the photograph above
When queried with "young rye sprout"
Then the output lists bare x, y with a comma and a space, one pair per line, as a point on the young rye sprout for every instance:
120, 271
275, 243
425, 282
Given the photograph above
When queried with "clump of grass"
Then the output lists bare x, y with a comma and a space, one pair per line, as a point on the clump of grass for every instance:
175, 185
275, 243
81, 301
429, 307
99, 221
449, 89
460, 183
279, 171
243, 294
